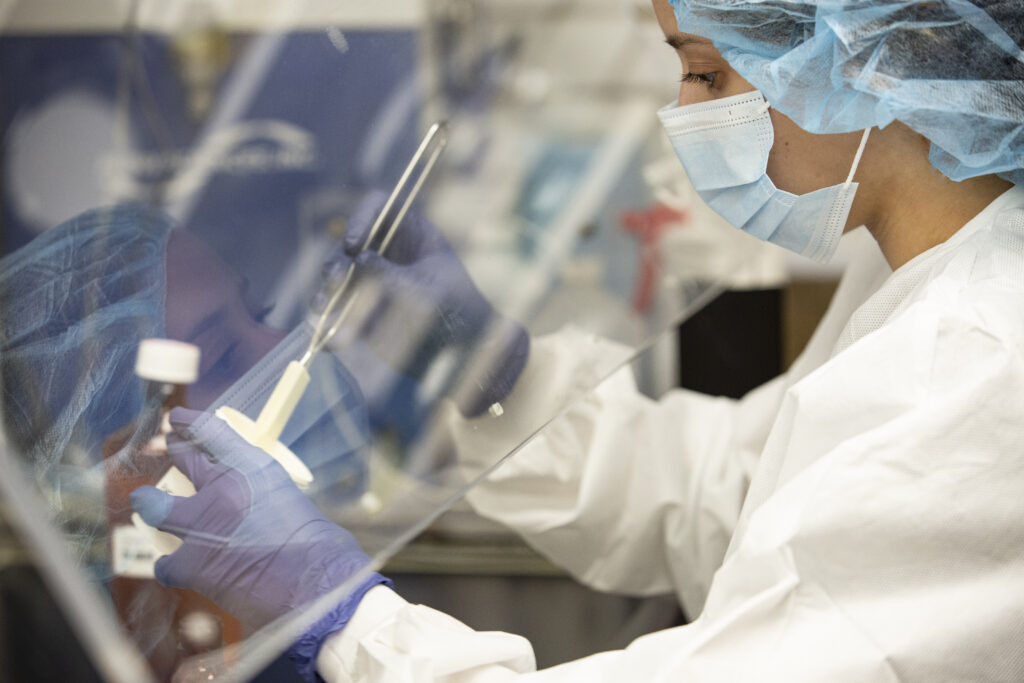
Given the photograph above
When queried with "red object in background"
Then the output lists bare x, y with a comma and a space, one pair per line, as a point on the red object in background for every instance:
647, 225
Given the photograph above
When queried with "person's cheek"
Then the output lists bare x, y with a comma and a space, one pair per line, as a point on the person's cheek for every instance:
685, 96
258, 341
693, 93
249, 343
802, 162
780, 159
204, 392
253, 342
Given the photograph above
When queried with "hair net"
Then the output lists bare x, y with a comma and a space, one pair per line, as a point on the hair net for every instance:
952, 70
76, 301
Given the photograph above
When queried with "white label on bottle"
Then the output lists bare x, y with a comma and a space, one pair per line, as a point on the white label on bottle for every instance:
134, 553
163, 543
176, 483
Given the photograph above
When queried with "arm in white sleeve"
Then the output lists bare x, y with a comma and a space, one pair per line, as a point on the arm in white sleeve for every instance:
889, 549
628, 494
389, 639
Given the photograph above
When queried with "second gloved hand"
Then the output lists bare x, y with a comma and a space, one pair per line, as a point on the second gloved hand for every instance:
252, 541
416, 301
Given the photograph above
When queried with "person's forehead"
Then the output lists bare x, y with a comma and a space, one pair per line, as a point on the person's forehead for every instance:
676, 38
666, 16
197, 278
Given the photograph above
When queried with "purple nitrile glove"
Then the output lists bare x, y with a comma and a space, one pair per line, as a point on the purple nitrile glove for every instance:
423, 302
251, 540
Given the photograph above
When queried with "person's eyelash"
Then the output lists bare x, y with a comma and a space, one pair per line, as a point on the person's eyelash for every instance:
707, 79
224, 367
261, 315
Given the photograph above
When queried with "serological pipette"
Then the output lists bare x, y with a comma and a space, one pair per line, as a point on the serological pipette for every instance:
265, 431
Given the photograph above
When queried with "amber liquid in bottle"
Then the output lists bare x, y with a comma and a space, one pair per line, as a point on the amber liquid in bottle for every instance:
156, 617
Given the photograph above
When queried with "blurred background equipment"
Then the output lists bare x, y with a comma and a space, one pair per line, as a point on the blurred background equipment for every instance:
256, 128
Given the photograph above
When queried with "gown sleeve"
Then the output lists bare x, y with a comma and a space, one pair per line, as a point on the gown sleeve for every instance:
629, 494
888, 547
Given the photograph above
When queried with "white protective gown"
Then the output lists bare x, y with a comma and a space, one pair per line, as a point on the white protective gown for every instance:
859, 519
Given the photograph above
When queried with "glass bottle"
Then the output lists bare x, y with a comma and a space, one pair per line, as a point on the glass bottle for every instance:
136, 455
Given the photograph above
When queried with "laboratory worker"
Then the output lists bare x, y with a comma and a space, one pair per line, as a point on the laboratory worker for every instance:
860, 518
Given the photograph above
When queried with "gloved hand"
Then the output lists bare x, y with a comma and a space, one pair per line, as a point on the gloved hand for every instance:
252, 542
422, 302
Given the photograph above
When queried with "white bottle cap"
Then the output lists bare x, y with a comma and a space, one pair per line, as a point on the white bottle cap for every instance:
166, 360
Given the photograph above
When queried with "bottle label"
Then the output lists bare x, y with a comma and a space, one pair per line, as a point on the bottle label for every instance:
176, 483
134, 553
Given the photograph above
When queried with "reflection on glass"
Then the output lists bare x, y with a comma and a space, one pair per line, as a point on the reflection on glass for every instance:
209, 181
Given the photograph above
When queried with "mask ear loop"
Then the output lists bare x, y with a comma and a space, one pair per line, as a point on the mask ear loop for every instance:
856, 159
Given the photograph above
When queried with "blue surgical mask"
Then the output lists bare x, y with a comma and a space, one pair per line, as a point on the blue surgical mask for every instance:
724, 145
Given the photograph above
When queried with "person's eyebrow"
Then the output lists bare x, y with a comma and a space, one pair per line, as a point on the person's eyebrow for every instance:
677, 41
